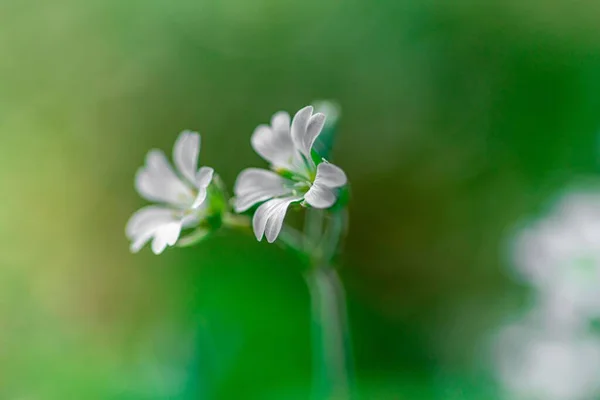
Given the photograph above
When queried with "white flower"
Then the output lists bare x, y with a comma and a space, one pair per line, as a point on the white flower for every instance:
181, 197
297, 177
560, 256
537, 364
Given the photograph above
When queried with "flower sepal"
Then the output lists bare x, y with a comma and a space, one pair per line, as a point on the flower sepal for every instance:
209, 224
286, 173
196, 236
316, 158
217, 197
342, 199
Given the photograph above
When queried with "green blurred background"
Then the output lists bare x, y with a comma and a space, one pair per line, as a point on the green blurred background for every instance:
458, 120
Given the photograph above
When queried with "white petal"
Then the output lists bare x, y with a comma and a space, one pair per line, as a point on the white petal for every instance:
280, 123
254, 185
314, 128
274, 143
261, 216
299, 125
166, 235
158, 223
185, 154
147, 219
320, 196
268, 218
157, 181
243, 203
330, 175
200, 197
140, 241
251, 179
275, 222
305, 129
204, 177
191, 220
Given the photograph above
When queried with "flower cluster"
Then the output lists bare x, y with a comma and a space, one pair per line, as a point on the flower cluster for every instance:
297, 175
552, 353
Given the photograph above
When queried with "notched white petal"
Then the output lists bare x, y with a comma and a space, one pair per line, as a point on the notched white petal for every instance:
243, 203
156, 223
185, 154
275, 222
261, 216
306, 127
254, 185
320, 196
199, 200
261, 141
268, 219
298, 130
157, 181
315, 125
251, 179
147, 219
280, 123
166, 235
204, 177
139, 242
274, 143
330, 175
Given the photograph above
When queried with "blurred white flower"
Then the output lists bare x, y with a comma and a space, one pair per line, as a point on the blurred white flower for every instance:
295, 177
535, 364
560, 257
330, 109
181, 195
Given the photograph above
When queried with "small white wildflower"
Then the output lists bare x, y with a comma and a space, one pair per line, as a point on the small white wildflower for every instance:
296, 178
181, 197
534, 363
560, 256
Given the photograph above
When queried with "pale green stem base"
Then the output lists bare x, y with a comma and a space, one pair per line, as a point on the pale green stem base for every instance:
332, 352
332, 360
331, 346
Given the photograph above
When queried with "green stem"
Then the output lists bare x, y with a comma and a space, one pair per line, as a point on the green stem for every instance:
335, 233
331, 345
237, 221
292, 239
330, 336
313, 226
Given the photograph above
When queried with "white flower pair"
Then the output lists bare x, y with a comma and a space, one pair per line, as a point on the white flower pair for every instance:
298, 176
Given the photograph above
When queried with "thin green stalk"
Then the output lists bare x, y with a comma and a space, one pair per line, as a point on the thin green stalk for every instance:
332, 360
237, 221
291, 238
332, 355
313, 226
331, 345
335, 232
